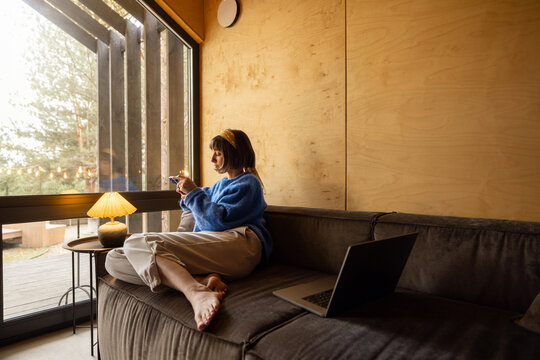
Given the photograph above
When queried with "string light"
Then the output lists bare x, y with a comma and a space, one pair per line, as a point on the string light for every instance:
38, 170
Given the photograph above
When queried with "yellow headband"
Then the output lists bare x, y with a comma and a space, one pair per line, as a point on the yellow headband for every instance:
229, 136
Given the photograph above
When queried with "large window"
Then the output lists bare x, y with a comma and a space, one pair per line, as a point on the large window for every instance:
95, 96
93, 99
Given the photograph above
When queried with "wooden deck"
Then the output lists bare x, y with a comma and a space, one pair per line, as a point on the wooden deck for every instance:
38, 284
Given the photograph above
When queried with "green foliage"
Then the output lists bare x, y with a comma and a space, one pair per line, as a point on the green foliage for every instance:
63, 110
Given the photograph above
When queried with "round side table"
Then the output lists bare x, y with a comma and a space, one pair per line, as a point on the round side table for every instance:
91, 246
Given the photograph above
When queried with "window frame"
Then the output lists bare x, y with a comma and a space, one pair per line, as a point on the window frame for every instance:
30, 208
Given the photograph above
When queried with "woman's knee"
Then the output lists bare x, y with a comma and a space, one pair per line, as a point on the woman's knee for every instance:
114, 260
117, 264
132, 240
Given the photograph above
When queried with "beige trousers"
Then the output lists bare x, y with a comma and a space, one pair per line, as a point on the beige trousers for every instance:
232, 253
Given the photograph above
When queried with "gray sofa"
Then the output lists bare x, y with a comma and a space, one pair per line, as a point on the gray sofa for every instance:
464, 287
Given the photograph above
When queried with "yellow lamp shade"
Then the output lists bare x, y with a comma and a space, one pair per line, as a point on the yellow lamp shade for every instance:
111, 204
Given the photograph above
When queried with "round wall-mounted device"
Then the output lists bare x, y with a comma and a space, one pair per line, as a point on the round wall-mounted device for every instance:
227, 13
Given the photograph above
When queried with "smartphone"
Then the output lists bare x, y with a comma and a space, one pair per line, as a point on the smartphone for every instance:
174, 181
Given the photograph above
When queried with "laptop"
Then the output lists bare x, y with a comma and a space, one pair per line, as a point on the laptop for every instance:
369, 271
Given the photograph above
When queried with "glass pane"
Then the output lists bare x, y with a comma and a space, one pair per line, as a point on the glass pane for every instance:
79, 111
37, 270
49, 98
80, 115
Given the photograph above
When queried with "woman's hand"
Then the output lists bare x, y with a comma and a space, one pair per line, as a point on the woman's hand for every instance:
185, 185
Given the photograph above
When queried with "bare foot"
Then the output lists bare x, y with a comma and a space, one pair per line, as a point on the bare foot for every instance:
205, 303
214, 283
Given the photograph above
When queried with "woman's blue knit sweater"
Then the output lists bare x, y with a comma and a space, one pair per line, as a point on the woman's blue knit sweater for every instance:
230, 203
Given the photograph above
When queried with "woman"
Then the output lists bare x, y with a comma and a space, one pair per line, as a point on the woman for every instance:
229, 238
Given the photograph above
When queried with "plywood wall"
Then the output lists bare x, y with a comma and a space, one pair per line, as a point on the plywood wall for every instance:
417, 106
444, 107
278, 74
188, 14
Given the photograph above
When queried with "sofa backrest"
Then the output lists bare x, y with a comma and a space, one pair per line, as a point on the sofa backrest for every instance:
489, 262
316, 238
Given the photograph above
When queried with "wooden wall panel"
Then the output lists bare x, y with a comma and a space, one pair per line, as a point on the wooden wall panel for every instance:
134, 117
118, 118
104, 114
175, 96
152, 58
188, 14
279, 75
441, 111
444, 107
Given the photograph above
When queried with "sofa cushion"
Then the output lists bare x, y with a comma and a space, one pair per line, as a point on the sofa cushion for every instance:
405, 325
131, 315
531, 319
489, 262
316, 238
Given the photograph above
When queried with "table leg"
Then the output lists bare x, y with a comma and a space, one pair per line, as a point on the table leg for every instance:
91, 308
73, 290
78, 270
97, 312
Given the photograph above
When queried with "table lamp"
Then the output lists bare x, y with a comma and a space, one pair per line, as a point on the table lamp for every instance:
111, 204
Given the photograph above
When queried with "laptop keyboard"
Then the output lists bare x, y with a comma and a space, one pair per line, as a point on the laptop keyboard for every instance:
321, 299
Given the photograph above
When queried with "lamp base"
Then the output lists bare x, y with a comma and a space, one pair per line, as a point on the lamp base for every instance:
112, 234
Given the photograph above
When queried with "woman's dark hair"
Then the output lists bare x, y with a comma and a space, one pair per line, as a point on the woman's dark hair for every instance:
241, 157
